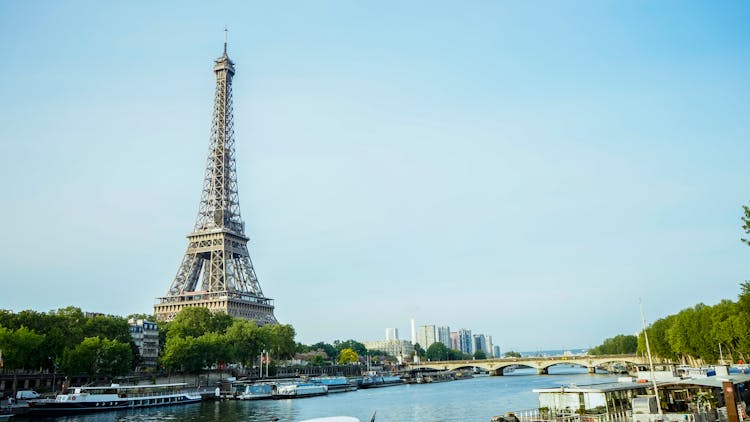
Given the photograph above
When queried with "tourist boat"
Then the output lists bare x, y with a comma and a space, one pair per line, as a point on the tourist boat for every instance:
257, 392
299, 390
114, 397
334, 384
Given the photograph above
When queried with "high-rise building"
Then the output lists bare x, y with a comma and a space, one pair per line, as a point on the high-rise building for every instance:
216, 271
496, 352
426, 336
444, 336
391, 334
465, 341
488, 346
454, 341
479, 343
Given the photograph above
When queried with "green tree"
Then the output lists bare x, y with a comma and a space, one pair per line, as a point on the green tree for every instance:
358, 347
97, 356
419, 351
109, 327
512, 354
479, 354
191, 322
437, 351
348, 356
245, 341
280, 340
329, 350
182, 353
21, 348
617, 345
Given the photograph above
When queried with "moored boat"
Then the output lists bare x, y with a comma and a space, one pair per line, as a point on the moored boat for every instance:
114, 397
377, 381
261, 391
334, 384
299, 390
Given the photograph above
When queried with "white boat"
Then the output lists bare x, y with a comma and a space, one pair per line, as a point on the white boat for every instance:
114, 397
257, 392
300, 390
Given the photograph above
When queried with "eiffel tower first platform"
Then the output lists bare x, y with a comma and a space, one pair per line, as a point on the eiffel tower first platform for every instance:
216, 271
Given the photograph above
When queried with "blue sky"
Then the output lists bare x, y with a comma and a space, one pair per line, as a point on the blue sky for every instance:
527, 170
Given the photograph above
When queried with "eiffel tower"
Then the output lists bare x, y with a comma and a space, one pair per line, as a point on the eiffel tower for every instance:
216, 271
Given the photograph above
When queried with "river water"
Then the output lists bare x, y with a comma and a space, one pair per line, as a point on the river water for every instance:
476, 399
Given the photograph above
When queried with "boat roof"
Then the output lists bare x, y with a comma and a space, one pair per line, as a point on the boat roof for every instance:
618, 385
597, 388
130, 387
711, 381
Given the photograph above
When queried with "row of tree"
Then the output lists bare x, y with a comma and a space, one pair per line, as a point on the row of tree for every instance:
68, 340
198, 339
701, 334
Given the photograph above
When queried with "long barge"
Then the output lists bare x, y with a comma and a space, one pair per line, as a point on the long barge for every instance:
78, 400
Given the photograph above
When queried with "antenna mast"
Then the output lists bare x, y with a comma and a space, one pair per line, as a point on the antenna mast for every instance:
650, 361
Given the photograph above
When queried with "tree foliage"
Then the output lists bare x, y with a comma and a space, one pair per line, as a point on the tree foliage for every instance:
54, 333
479, 354
97, 356
512, 354
198, 339
617, 345
696, 333
347, 356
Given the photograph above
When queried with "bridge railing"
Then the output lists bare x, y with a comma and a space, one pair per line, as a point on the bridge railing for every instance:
534, 415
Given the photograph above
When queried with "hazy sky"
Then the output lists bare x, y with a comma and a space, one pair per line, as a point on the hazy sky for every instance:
526, 170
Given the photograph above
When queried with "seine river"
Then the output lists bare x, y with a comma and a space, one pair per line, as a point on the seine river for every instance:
476, 399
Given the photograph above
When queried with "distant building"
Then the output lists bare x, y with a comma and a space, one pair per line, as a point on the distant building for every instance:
426, 336
454, 341
496, 351
465, 341
488, 347
391, 333
479, 343
145, 335
401, 349
444, 336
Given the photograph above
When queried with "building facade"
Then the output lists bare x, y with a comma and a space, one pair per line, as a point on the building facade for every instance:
145, 335
496, 351
426, 336
465, 341
454, 341
391, 334
444, 336
401, 349
479, 343
488, 347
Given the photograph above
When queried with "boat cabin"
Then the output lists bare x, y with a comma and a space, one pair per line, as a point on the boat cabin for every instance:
610, 399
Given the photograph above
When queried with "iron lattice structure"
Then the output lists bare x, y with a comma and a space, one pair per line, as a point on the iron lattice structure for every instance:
216, 271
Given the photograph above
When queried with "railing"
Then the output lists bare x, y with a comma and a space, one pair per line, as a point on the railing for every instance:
534, 415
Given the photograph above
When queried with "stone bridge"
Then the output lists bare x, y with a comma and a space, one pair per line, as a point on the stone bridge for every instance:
541, 364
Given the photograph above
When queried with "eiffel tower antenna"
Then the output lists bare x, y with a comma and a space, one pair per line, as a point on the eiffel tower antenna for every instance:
225, 39
216, 271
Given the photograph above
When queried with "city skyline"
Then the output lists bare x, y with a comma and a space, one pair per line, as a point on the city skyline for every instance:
513, 168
